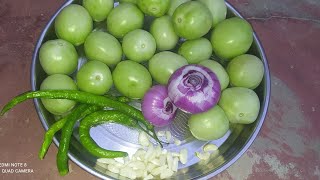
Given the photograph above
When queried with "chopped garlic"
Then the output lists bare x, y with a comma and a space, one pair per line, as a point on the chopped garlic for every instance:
106, 160
183, 156
210, 147
177, 142
203, 156
168, 136
143, 139
175, 164
113, 168
169, 160
166, 173
161, 133
156, 171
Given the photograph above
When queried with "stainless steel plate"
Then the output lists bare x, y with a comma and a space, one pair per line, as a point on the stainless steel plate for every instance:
113, 136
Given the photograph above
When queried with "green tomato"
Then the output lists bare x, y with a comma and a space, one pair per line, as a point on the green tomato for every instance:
62, 82
192, 20
232, 37
246, 71
218, 9
73, 24
163, 32
131, 79
124, 18
103, 47
241, 105
196, 50
155, 8
174, 4
58, 57
219, 71
210, 125
94, 77
98, 9
139, 45
164, 64
128, 1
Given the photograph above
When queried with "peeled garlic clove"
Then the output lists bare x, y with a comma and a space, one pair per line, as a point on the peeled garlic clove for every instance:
210, 147
175, 164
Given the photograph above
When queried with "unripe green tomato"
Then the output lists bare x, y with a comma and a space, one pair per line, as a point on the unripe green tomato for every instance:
164, 64
139, 45
98, 9
58, 57
124, 18
58, 82
245, 71
192, 20
210, 125
241, 105
94, 77
218, 9
128, 1
219, 71
231, 38
174, 4
131, 79
163, 32
196, 50
102, 46
156, 8
73, 24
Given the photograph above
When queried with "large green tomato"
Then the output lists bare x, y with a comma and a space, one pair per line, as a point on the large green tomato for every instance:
73, 24
232, 37
164, 64
241, 105
210, 125
218, 10
58, 57
155, 8
124, 18
128, 1
217, 68
246, 71
94, 77
192, 20
131, 79
139, 45
174, 4
62, 82
196, 50
103, 47
98, 9
163, 32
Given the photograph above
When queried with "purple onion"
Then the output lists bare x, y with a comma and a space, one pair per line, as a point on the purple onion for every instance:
194, 88
157, 107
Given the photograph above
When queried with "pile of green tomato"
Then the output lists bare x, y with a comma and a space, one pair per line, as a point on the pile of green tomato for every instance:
142, 42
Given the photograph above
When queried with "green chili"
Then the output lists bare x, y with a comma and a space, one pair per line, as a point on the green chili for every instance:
88, 109
82, 97
97, 118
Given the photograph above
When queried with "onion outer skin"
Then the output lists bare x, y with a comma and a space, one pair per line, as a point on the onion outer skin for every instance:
157, 107
194, 89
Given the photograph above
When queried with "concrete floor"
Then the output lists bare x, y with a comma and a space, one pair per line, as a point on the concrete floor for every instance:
288, 146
